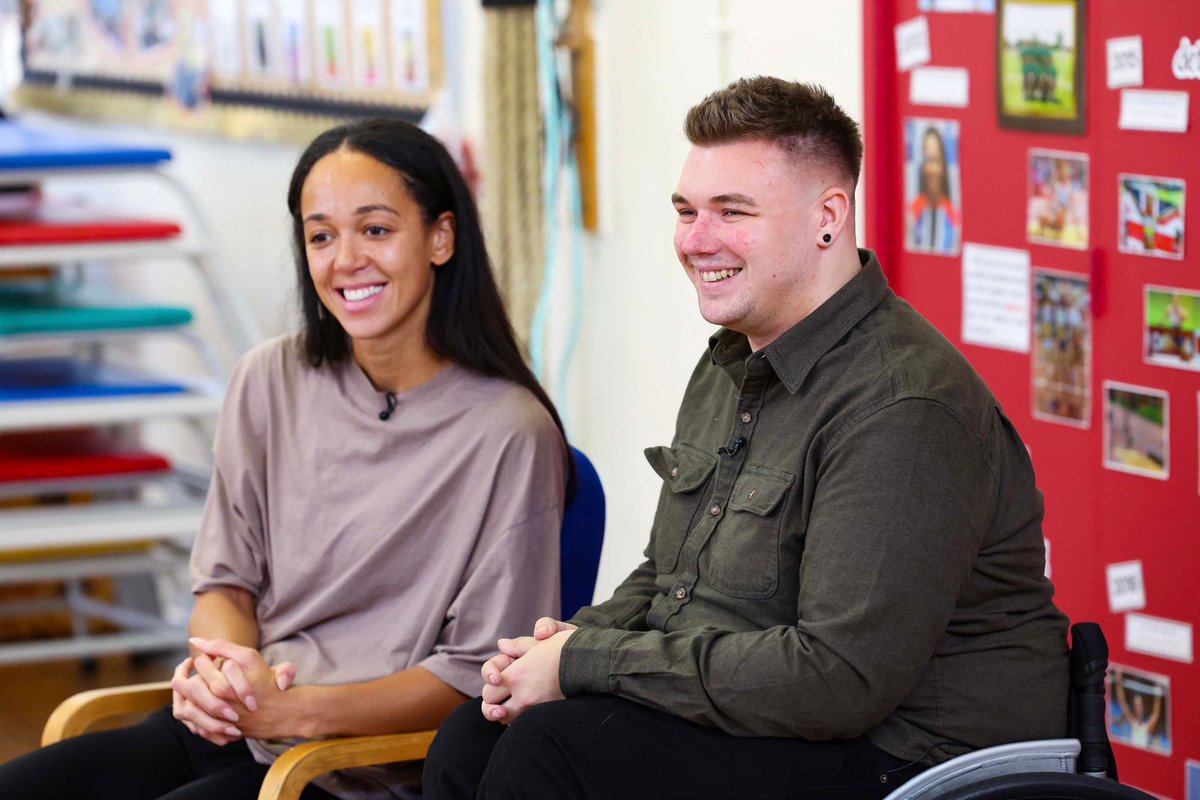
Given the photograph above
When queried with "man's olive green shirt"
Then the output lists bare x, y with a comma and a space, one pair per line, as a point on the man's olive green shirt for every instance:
848, 541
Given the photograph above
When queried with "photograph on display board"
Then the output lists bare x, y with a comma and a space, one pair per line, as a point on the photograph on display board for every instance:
1057, 209
1062, 353
933, 216
1040, 57
1136, 430
1193, 779
1171, 316
960, 6
1151, 216
1139, 709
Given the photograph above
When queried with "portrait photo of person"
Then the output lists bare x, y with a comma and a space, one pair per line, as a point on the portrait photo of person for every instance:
933, 216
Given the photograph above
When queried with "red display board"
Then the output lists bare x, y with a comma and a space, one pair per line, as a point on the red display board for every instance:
1118, 466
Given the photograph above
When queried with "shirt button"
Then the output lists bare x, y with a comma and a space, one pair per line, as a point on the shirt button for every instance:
674, 472
715, 510
746, 417
680, 592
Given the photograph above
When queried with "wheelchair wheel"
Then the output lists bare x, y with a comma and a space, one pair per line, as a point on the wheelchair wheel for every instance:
1047, 786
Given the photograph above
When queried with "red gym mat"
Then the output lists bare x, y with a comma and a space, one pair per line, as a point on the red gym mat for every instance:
52, 455
43, 223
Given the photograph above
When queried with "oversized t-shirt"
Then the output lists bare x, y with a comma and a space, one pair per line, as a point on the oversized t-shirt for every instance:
371, 545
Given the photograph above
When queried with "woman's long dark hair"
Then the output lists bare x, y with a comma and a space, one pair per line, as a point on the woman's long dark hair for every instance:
467, 321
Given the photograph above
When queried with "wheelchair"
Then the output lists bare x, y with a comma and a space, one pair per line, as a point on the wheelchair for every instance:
1079, 768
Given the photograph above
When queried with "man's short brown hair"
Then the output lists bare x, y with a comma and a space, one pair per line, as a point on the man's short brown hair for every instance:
802, 118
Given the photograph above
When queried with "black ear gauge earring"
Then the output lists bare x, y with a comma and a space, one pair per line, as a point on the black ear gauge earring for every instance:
827, 238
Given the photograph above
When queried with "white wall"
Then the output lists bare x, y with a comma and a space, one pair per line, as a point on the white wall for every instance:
642, 332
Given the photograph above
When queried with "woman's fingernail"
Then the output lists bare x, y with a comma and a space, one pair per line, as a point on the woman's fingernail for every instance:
231, 715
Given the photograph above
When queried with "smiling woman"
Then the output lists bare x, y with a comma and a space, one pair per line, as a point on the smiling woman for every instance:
354, 566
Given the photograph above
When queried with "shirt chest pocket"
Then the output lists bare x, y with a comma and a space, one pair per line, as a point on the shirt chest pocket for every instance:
684, 471
742, 557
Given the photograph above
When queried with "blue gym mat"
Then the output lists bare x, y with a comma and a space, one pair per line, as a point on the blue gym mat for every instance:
25, 379
35, 147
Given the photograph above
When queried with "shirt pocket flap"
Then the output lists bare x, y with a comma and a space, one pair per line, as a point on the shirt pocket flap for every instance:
681, 467
759, 489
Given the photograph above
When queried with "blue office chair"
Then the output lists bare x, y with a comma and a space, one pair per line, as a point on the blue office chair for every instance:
582, 538
1078, 768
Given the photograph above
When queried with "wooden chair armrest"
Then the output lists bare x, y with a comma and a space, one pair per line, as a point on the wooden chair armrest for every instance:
78, 713
296, 768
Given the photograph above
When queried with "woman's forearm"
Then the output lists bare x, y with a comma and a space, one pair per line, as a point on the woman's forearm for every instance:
412, 700
225, 613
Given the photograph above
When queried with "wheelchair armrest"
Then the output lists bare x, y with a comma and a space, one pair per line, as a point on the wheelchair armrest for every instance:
1046, 755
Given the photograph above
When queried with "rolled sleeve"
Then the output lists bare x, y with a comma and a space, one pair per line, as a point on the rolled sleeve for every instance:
584, 667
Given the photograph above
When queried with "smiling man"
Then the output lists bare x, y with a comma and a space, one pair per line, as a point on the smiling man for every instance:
845, 577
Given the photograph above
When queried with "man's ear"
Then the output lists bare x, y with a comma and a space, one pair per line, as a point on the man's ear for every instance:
442, 238
835, 213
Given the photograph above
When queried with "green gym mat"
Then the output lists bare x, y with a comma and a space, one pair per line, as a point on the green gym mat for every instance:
48, 310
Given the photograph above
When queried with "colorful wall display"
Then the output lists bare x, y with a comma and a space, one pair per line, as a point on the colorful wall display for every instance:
1107, 393
334, 58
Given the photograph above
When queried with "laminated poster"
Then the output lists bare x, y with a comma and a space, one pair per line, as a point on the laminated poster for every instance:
1062, 348
1139, 709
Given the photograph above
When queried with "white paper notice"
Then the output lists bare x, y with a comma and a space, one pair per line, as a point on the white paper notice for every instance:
939, 86
1125, 62
1145, 110
1126, 590
912, 44
996, 297
1155, 636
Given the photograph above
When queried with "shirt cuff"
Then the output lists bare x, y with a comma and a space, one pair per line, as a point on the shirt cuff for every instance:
583, 666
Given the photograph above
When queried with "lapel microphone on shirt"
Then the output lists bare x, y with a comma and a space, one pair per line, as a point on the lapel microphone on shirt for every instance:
391, 406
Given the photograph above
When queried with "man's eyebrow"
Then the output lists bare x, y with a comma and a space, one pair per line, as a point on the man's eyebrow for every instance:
733, 198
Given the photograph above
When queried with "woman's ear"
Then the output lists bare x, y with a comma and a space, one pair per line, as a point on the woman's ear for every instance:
441, 234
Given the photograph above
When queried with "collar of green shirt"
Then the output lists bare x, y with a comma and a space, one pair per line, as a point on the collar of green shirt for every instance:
794, 353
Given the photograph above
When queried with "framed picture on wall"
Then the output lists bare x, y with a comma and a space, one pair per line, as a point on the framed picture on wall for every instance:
1040, 65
